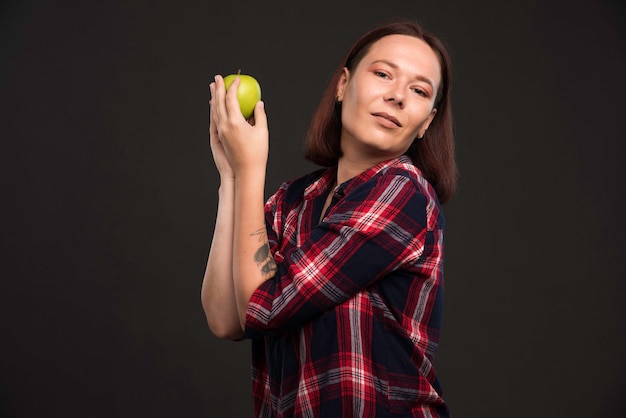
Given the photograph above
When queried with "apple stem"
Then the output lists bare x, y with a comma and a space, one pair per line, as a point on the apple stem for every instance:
239, 71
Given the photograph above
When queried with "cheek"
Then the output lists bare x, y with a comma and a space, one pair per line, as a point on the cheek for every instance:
350, 100
349, 108
423, 117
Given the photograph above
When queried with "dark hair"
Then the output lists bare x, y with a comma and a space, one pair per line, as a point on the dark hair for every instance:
433, 154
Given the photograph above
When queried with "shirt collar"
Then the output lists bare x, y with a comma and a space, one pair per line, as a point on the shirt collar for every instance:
329, 176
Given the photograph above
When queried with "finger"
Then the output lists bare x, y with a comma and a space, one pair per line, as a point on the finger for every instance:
212, 101
212, 93
212, 122
218, 99
232, 103
212, 111
260, 117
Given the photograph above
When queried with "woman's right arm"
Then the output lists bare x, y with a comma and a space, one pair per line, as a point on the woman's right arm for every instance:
218, 291
368, 234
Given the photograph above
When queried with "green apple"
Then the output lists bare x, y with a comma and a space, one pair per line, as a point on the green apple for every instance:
248, 94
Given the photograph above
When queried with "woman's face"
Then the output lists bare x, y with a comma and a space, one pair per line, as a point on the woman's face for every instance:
388, 100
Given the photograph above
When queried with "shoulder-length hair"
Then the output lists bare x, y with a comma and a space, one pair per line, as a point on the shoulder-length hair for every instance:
433, 154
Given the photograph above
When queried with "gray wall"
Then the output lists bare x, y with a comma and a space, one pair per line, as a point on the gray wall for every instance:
109, 198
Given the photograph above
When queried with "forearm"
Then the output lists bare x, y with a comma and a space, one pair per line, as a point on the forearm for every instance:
252, 260
245, 146
218, 292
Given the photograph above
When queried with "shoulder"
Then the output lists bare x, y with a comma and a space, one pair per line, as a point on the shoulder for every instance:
400, 174
413, 177
409, 180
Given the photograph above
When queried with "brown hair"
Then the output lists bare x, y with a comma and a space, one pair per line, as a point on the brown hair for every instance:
433, 154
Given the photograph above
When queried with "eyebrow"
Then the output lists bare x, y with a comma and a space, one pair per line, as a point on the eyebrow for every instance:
395, 66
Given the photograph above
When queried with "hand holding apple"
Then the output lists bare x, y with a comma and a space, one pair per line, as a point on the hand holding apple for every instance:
248, 94
245, 144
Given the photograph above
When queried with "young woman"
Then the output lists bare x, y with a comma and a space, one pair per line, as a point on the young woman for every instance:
338, 278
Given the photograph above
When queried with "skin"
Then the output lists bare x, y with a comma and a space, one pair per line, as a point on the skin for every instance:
398, 78
387, 102
235, 267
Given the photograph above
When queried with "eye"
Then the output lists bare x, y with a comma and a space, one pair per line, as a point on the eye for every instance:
381, 74
420, 92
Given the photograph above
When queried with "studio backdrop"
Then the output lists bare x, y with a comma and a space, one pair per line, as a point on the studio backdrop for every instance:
109, 196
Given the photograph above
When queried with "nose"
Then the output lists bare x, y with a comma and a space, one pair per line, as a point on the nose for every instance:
395, 95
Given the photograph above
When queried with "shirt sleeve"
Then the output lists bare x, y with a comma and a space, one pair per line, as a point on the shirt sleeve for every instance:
373, 230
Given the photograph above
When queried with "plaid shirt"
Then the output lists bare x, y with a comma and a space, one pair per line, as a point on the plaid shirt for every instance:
349, 325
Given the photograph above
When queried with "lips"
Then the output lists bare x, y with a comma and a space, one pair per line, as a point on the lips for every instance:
388, 117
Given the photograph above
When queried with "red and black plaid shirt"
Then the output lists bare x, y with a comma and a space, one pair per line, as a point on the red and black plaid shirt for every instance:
349, 325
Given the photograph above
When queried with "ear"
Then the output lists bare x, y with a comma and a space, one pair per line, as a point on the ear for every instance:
426, 123
341, 84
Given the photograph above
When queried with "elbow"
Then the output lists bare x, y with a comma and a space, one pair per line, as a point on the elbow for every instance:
220, 325
223, 329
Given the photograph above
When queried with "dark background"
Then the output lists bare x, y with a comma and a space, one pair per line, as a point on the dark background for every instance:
109, 197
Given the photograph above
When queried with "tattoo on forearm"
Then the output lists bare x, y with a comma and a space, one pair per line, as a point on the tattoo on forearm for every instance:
269, 267
263, 256
262, 253
261, 233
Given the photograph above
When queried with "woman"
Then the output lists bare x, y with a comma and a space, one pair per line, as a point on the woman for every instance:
338, 278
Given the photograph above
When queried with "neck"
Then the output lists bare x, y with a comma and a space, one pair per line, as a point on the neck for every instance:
348, 168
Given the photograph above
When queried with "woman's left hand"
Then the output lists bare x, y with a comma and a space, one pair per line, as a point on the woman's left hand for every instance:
246, 142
